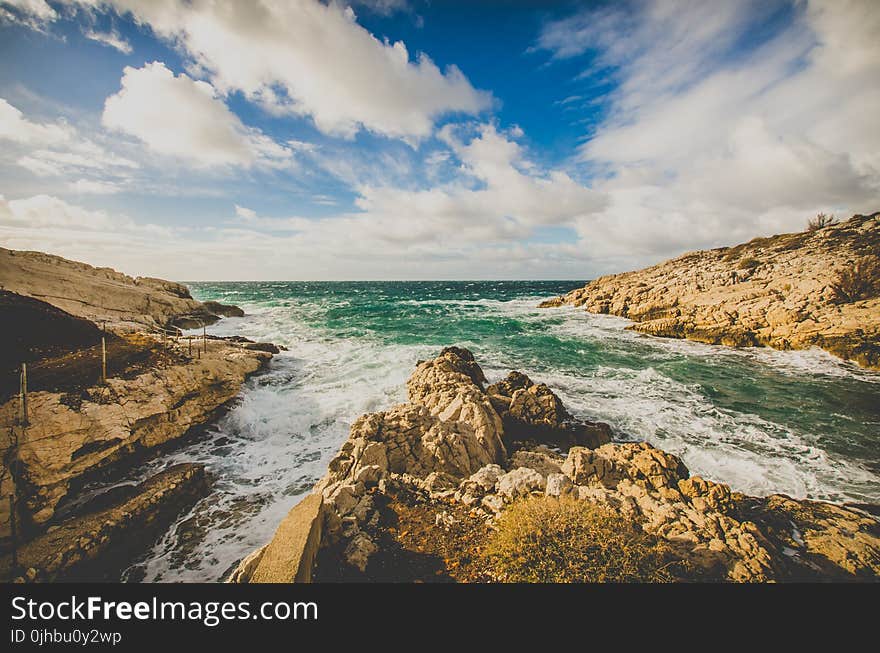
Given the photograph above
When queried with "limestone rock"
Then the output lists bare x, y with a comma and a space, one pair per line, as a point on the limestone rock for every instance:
101, 294
558, 485
97, 546
533, 412
772, 292
68, 444
520, 482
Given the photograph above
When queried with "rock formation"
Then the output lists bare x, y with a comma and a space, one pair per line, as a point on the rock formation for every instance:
447, 442
103, 294
99, 545
778, 292
71, 438
81, 428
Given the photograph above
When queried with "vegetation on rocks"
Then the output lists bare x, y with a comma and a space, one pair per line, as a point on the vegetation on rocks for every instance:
821, 221
861, 281
565, 540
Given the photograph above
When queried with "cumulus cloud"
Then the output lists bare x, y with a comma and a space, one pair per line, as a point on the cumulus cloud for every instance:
178, 116
42, 211
58, 149
707, 142
15, 127
497, 196
308, 58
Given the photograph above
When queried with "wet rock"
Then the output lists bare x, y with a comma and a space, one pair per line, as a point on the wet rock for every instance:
223, 310
99, 545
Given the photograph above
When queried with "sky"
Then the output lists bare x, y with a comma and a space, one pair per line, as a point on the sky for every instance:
415, 139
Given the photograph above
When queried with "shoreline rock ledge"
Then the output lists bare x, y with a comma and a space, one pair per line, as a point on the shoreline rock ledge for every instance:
83, 432
778, 292
447, 447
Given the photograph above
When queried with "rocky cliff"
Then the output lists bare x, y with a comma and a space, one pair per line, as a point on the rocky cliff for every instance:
71, 437
104, 295
817, 288
82, 429
416, 490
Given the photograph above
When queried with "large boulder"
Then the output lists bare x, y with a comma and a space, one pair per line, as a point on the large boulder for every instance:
532, 412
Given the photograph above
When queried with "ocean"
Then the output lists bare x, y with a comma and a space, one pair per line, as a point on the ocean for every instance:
801, 423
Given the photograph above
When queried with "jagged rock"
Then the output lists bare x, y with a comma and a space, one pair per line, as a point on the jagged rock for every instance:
431, 445
493, 503
774, 292
533, 412
544, 461
558, 485
520, 482
359, 550
821, 541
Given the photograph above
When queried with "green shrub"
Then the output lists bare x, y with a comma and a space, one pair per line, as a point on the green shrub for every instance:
549, 540
860, 281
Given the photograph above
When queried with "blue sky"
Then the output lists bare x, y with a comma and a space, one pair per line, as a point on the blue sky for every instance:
405, 139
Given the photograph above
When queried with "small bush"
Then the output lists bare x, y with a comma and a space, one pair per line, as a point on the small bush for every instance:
821, 221
748, 263
549, 540
861, 281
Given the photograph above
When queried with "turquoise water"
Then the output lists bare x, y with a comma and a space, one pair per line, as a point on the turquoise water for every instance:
802, 423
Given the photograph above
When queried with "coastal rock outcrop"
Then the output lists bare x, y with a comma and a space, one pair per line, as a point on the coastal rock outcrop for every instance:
532, 411
99, 545
72, 437
782, 292
445, 451
103, 294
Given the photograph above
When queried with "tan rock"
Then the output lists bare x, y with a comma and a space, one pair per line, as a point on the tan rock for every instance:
772, 292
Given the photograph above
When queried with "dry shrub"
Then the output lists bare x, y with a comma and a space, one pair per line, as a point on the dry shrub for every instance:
860, 281
549, 540
748, 263
821, 221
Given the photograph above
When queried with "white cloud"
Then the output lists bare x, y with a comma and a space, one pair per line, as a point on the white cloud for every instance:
58, 149
41, 211
111, 39
706, 143
34, 13
498, 196
15, 127
312, 59
92, 187
244, 213
178, 116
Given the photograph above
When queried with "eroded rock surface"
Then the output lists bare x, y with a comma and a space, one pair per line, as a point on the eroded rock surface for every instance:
71, 439
100, 545
775, 291
103, 294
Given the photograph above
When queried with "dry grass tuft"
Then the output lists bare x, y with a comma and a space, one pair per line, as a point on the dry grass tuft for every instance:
549, 540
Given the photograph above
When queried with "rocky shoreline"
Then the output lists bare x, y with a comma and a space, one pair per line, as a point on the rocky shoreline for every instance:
82, 430
416, 492
817, 288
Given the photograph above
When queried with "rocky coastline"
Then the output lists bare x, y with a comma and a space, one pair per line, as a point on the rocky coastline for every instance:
82, 430
416, 492
817, 288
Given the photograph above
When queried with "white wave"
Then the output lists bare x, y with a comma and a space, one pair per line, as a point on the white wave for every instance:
291, 420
